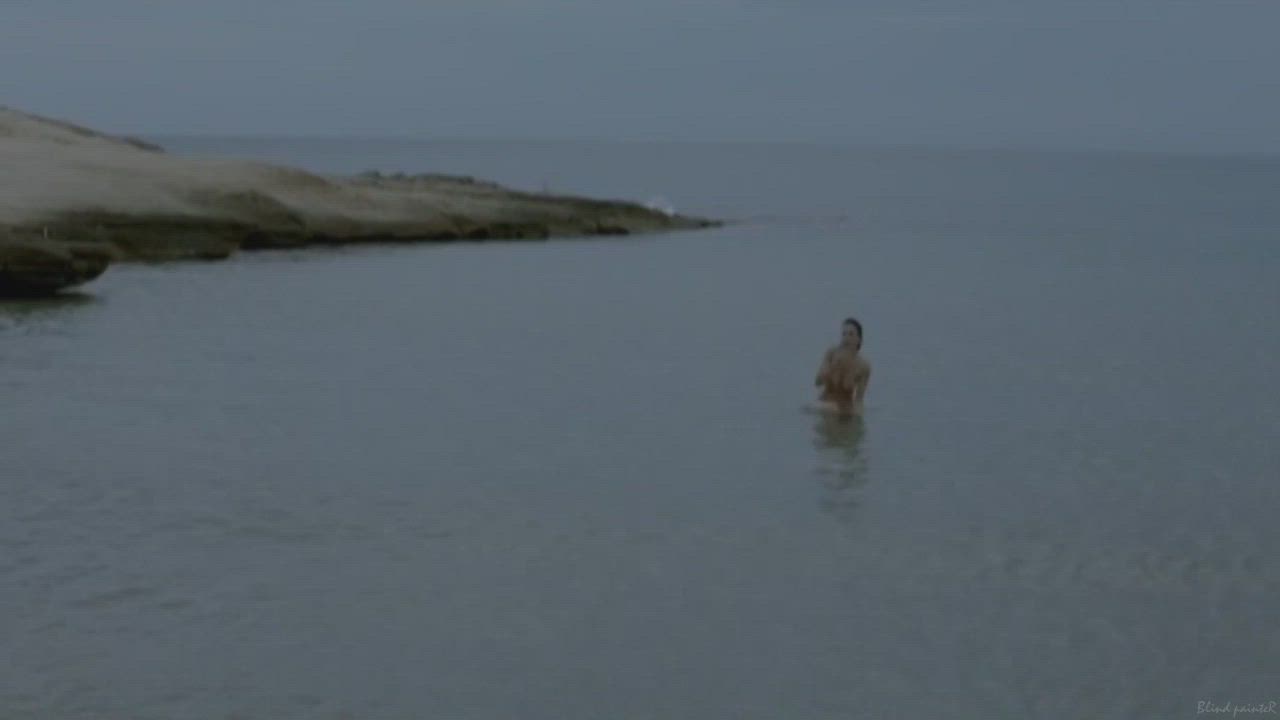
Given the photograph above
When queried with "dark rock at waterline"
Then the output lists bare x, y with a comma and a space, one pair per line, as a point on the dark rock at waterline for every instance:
42, 267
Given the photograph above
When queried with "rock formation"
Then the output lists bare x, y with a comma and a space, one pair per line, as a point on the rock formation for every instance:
71, 198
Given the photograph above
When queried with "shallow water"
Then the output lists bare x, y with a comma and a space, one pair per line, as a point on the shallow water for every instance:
573, 479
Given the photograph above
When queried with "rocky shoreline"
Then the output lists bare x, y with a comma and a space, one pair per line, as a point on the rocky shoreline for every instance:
73, 200
41, 267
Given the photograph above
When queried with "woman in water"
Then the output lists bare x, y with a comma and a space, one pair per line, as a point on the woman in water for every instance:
844, 373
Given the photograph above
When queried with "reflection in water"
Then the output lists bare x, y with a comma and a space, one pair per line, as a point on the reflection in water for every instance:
842, 466
25, 314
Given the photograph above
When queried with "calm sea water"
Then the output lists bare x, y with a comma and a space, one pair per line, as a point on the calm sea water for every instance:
572, 479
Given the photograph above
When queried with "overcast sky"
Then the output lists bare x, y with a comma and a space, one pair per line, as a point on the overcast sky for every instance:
1179, 74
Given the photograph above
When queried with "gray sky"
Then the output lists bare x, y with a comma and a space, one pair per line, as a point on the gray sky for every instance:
1178, 74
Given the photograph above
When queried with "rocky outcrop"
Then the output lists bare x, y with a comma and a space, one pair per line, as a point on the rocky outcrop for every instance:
41, 267
89, 189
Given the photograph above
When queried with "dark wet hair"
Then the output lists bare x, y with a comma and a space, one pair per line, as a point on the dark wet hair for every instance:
854, 322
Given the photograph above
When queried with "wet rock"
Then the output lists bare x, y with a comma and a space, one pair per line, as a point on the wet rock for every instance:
44, 267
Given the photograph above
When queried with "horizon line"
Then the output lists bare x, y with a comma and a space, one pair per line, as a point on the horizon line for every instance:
851, 144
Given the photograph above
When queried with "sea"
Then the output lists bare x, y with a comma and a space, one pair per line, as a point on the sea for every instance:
576, 478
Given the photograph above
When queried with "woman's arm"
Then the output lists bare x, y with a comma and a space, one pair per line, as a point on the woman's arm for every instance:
824, 370
860, 387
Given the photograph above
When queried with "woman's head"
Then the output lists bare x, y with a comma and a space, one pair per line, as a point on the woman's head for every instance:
851, 332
